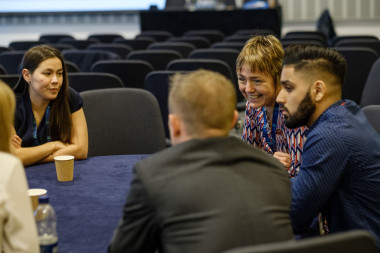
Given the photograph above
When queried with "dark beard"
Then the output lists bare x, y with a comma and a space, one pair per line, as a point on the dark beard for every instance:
304, 111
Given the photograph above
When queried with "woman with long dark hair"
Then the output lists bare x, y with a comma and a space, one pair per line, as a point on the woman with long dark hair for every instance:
49, 116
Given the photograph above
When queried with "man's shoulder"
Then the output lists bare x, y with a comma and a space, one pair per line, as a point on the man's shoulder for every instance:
223, 150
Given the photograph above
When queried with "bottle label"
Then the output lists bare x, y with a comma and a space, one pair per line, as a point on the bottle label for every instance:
51, 248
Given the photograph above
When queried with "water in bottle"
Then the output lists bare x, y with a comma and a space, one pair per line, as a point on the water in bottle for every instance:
46, 226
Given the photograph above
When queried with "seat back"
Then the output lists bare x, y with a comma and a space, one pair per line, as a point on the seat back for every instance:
23, 45
84, 58
54, 38
157, 35
233, 45
71, 67
359, 63
157, 82
289, 42
136, 44
105, 38
11, 61
372, 112
196, 41
78, 44
337, 39
131, 72
356, 241
183, 48
195, 64
119, 49
11, 80
371, 91
92, 81
2, 70
369, 43
123, 121
212, 35
227, 55
307, 35
238, 38
157, 58
253, 32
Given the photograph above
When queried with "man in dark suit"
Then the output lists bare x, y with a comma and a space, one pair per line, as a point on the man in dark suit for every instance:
209, 192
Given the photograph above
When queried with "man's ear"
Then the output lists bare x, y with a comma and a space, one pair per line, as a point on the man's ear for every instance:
235, 119
319, 90
26, 75
174, 125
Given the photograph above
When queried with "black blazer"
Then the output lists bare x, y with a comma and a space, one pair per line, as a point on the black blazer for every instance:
205, 195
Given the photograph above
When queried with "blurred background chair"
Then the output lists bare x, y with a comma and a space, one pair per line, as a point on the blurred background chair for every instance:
183, 48
157, 82
157, 58
372, 112
123, 121
371, 91
289, 42
157, 35
2, 70
120, 49
368, 43
92, 81
61, 46
227, 55
4, 49
195, 64
131, 72
337, 39
23, 45
78, 44
11, 80
11, 61
307, 35
105, 38
359, 63
136, 44
253, 32
71, 67
84, 58
54, 38
211, 35
355, 241
196, 41
225, 44
238, 38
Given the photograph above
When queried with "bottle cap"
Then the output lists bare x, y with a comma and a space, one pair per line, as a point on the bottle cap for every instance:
44, 199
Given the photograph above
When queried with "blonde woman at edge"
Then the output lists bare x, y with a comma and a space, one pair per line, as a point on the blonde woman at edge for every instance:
18, 232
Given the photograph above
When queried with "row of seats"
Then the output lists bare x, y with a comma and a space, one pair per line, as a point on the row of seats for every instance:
179, 55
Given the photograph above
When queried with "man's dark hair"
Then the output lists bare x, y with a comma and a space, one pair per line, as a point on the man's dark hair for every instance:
313, 58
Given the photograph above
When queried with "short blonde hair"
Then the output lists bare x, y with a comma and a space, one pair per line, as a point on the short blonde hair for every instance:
7, 110
264, 54
203, 100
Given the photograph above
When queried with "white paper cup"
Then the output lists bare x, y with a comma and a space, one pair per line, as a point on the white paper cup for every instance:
64, 166
34, 194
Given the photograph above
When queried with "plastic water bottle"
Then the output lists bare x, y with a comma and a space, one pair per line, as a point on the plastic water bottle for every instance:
46, 226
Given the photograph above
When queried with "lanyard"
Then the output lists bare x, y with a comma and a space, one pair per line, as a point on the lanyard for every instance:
47, 117
271, 142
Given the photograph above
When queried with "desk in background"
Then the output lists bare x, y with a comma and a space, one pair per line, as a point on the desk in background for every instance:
89, 207
180, 21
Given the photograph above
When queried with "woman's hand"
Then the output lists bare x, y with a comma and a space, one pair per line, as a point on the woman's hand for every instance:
16, 141
284, 158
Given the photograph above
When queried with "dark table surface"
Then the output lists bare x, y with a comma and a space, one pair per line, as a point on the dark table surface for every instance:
89, 207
